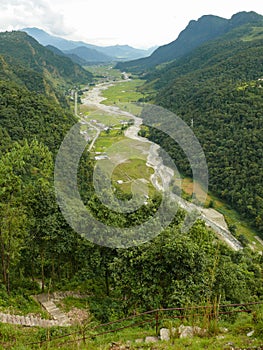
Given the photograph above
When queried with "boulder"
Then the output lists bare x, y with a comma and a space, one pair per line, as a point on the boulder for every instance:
189, 332
151, 340
138, 340
250, 334
165, 333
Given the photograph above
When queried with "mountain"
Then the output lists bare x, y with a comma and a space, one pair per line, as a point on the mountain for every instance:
217, 89
125, 52
116, 52
89, 55
33, 82
76, 59
195, 34
26, 62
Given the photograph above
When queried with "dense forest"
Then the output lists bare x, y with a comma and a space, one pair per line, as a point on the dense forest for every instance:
174, 269
217, 89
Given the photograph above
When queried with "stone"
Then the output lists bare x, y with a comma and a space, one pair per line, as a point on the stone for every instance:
186, 331
220, 337
250, 334
189, 332
138, 340
165, 334
151, 340
223, 330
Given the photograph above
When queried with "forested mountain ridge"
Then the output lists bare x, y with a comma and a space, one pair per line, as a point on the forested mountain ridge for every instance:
29, 64
194, 35
218, 88
33, 83
94, 53
173, 270
34, 118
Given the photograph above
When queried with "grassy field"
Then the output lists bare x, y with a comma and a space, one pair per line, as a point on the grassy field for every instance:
123, 92
104, 72
257, 33
116, 145
106, 140
232, 217
131, 170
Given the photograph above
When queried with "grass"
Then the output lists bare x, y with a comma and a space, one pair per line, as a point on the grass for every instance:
123, 92
106, 140
105, 118
257, 33
229, 335
21, 304
131, 154
102, 72
232, 217
69, 302
131, 170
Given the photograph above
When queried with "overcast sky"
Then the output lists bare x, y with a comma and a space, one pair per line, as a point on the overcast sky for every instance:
139, 23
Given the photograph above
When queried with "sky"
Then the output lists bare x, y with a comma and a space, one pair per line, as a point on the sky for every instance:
139, 23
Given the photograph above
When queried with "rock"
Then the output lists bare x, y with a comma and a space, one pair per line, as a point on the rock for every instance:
220, 337
151, 340
232, 345
165, 334
250, 334
189, 332
186, 331
223, 330
138, 340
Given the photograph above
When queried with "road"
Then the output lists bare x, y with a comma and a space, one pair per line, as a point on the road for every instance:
162, 174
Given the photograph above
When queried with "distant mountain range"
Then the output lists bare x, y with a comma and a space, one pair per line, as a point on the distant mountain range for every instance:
84, 53
198, 32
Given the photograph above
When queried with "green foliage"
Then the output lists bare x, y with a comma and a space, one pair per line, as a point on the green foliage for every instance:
217, 88
197, 33
24, 60
27, 115
175, 268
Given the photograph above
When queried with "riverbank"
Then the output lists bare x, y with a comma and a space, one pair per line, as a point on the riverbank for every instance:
162, 174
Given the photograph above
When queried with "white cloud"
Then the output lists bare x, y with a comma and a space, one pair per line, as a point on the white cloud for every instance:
16, 14
136, 22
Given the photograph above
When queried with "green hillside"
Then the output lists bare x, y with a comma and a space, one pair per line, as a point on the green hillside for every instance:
218, 89
29, 64
197, 33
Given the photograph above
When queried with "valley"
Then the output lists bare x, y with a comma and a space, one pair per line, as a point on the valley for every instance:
163, 253
116, 98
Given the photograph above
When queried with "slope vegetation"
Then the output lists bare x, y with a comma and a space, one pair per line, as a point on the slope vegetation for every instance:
194, 35
218, 90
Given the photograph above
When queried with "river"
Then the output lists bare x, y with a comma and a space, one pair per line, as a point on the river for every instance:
212, 218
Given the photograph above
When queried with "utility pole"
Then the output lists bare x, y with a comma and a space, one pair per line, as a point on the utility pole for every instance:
76, 102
